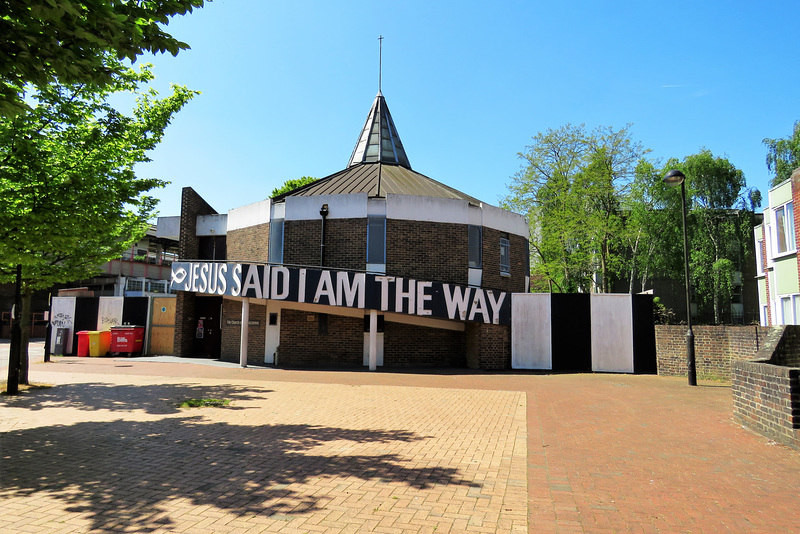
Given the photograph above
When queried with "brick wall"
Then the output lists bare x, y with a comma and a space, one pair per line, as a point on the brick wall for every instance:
303, 345
249, 244
766, 391
346, 244
766, 398
427, 251
185, 324
488, 346
766, 277
715, 348
408, 345
232, 334
520, 265
192, 205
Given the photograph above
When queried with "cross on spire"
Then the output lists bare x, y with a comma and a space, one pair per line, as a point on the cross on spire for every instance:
380, 60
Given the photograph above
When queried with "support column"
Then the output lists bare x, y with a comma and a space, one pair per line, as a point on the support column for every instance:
245, 331
373, 340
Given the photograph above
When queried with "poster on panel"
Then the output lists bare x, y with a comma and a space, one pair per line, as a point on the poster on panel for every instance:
109, 312
531, 346
62, 315
612, 333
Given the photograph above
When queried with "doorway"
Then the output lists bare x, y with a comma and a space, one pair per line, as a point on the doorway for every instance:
273, 335
208, 334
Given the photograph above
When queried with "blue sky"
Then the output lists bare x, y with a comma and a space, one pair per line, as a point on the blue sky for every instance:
286, 86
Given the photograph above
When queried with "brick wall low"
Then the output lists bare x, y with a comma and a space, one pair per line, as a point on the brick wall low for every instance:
766, 398
232, 334
249, 244
302, 344
715, 348
408, 345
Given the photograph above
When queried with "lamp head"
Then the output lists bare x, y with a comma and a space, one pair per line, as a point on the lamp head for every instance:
324, 210
674, 177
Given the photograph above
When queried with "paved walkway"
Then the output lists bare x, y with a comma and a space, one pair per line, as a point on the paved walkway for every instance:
313, 451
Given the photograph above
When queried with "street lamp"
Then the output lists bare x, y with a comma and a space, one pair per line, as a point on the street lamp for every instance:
672, 179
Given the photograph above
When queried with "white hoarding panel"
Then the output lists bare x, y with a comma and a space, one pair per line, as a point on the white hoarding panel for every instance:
62, 316
109, 312
531, 346
612, 333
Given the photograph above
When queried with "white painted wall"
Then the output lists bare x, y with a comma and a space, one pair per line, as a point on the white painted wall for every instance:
612, 332
431, 209
250, 215
505, 221
531, 338
216, 224
339, 207
168, 227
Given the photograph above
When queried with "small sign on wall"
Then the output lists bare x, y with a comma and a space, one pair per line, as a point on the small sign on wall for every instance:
238, 322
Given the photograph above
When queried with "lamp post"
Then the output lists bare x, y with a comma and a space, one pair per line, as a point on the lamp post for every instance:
672, 179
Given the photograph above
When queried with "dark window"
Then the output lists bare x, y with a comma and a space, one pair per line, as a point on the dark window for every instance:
475, 246
505, 253
275, 241
376, 240
212, 247
273, 319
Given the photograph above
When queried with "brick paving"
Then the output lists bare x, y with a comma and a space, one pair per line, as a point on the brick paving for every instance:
321, 451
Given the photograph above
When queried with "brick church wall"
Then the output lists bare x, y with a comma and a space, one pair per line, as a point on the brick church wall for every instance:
232, 334
192, 205
427, 251
408, 345
303, 344
249, 244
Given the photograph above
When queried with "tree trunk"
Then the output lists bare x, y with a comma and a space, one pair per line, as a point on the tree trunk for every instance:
12, 385
25, 334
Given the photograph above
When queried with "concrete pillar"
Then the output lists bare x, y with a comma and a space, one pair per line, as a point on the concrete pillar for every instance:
373, 340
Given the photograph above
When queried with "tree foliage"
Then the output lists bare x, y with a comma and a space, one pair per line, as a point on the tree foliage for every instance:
783, 155
721, 215
67, 41
69, 198
570, 188
291, 185
600, 213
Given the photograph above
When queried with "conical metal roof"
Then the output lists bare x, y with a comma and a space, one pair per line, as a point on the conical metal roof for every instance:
379, 142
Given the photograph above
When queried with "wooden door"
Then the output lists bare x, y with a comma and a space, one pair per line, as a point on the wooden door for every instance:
162, 329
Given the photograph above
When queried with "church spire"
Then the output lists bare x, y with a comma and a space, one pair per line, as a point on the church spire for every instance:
379, 142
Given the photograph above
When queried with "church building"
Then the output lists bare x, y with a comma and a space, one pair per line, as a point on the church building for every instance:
376, 265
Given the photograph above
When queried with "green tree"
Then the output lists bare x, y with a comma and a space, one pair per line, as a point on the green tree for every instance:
69, 198
652, 235
570, 187
720, 223
291, 185
67, 41
783, 155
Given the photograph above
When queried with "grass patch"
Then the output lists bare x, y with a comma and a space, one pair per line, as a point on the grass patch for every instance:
24, 387
203, 403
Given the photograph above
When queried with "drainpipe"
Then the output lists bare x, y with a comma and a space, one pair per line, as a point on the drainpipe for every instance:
323, 211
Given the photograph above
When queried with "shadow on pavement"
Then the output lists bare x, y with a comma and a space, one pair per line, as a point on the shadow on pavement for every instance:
153, 399
123, 474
